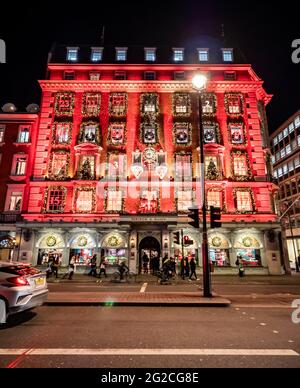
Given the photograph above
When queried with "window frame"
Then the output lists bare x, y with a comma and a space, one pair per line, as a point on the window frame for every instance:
20, 129
203, 51
178, 52
151, 51
119, 50
75, 51
226, 53
96, 50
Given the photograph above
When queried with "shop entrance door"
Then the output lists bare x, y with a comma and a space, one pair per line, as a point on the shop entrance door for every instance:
149, 254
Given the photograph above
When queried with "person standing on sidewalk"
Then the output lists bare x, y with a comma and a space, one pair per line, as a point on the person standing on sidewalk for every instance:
193, 269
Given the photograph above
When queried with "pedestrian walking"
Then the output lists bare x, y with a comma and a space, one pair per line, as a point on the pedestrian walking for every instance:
55, 266
193, 269
298, 264
239, 264
93, 271
182, 268
187, 267
102, 268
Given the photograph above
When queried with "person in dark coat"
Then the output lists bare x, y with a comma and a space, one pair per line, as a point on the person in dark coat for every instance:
145, 260
193, 269
93, 271
187, 267
182, 268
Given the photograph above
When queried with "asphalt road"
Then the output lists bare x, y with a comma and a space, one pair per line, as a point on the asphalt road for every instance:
115, 330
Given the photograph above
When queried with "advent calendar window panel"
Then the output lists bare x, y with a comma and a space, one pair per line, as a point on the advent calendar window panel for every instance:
244, 201
184, 200
237, 134
149, 133
117, 134
149, 202
240, 167
118, 104
62, 133
209, 103
64, 104
91, 104
89, 133
149, 103
214, 198
181, 104
56, 200
183, 166
114, 201
234, 104
182, 134
85, 200
210, 133
59, 165
116, 166
87, 167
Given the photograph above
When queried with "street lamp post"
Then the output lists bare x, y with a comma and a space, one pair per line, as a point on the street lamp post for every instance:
199, 84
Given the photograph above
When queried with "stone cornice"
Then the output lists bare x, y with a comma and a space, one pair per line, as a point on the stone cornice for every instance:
154, 86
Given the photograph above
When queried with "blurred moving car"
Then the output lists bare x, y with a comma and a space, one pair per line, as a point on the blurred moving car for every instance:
22, 287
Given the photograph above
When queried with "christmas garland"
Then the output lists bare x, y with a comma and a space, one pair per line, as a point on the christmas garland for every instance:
81, 137
54, 133
245, 190
63, 175
86, 189
46, 198
249, 175
212, 99
110, 128
184, 136
186, 101
227, 98
85, 105
69, 109
106, 202
119, 113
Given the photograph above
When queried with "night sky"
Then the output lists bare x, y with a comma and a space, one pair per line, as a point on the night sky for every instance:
264, 33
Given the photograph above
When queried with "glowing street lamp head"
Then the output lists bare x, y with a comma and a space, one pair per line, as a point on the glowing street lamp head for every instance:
199, 81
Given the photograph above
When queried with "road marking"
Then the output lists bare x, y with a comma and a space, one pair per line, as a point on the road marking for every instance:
143, 289
19, 359
151, 352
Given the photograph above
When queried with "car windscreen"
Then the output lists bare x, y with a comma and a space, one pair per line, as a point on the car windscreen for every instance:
19, 270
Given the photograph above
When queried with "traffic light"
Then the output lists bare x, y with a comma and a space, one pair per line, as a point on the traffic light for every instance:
187, 241
194, 215
215, 217
176, 238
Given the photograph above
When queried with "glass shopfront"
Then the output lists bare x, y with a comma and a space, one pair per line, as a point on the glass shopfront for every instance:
82, 256
249, 257
219, 257
115, 256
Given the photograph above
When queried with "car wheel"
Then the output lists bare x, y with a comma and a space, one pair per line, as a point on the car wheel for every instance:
3, 312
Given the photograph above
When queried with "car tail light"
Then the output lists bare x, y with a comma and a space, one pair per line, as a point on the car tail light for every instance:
18, 281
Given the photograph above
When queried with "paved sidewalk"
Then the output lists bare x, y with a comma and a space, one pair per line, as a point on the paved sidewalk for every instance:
172, 299
216, 279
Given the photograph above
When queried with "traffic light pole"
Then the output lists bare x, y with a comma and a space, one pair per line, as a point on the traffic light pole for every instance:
205, 259
182, 244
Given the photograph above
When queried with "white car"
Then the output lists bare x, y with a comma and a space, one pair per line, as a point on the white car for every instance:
22, 287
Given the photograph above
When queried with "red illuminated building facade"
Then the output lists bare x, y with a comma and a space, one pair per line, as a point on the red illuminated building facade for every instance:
17, 143
116, 163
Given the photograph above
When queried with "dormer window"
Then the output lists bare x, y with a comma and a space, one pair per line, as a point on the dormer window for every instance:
178, 54
150, 54
121, 54
72, 54
203, 55
97, 54
227, 55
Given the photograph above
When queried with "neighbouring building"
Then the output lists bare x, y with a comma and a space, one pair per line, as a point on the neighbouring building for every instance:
17, 144
116, 164
285, 143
